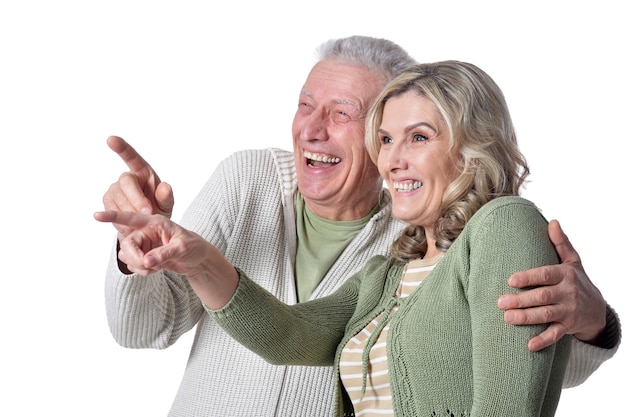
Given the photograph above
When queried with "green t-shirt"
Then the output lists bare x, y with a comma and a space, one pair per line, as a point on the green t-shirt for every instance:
320, 242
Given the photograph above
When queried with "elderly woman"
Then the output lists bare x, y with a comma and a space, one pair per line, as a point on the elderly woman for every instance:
417, 334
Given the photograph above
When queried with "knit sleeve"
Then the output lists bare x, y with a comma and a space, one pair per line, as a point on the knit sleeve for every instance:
155, 311
509, 236
585, 359
301, 334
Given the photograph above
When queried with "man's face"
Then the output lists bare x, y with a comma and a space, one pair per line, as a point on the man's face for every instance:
335, 174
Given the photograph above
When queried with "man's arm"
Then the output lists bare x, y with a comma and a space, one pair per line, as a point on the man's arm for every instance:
565, 297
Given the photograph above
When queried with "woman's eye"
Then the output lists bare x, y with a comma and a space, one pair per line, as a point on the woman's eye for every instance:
385, 139
419, 137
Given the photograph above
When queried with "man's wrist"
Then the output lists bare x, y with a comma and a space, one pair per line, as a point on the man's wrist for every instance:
121, 265
612, 331
609, 335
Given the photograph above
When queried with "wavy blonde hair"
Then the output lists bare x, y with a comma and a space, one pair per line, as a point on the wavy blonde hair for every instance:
481, 133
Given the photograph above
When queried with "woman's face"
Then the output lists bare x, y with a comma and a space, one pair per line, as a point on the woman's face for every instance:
414, 158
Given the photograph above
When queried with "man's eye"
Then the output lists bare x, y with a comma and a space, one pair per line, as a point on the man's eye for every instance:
341, 117
305, 108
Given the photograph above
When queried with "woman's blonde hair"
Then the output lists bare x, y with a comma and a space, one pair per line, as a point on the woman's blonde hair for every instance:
481, 134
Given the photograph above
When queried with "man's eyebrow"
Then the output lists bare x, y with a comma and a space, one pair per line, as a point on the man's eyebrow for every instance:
345, 102
348, 102
336, 101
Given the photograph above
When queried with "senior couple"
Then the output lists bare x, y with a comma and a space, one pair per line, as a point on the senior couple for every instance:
316, 291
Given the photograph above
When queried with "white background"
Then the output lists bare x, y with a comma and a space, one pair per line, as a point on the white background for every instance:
187, 83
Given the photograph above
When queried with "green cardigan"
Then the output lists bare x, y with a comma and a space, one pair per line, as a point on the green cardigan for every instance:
450, 351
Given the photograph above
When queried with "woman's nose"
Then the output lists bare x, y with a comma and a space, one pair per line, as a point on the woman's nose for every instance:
395, 156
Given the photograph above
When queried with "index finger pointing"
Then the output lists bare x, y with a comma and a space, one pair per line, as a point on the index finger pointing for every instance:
126, 218
129, 155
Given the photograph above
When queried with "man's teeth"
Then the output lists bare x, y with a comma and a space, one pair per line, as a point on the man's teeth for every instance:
404, 187
321, 158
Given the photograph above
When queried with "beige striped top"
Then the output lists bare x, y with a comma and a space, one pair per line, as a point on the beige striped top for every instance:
376, 400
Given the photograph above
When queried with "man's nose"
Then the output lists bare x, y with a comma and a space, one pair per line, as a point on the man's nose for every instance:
316, 126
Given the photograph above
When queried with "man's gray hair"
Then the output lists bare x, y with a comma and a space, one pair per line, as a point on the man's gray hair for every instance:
377, 54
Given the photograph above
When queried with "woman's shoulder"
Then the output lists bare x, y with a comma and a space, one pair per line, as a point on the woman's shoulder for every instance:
505, 206
506, 215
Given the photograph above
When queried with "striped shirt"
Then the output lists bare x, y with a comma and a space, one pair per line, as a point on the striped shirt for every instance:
375, 399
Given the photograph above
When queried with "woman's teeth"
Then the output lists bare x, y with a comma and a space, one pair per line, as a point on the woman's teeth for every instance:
404, 187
